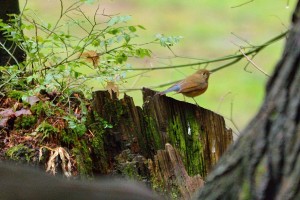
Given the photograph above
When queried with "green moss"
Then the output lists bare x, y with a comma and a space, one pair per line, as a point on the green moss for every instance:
68, 137
170, 193
15, 94
83, 159
47, 130
153, 133
195, 148
20, 152
25, 122
185, 138
177, 134
246, 191
45, 108
175, 193
98, 126
39, 108
129, 170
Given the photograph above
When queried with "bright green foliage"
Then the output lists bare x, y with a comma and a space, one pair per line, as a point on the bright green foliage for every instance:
43, 108
76, 126
61, 59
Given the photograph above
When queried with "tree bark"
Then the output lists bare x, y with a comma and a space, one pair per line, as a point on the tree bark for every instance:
265, 162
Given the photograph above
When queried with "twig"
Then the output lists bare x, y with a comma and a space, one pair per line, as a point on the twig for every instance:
236, 58
257, 67
242, 4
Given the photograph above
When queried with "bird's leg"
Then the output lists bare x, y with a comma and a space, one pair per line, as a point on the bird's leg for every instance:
195, 101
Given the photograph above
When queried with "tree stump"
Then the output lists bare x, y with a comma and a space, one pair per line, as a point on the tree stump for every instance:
133, 146
169, 171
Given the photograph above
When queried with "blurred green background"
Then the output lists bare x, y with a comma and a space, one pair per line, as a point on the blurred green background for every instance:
207, 28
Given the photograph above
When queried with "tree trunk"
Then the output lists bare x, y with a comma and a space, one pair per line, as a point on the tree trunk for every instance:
9, 7
264, 163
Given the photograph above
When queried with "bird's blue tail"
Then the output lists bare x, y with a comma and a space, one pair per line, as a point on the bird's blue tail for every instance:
171, 89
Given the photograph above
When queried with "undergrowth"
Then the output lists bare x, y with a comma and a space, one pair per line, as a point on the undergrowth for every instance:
46, 99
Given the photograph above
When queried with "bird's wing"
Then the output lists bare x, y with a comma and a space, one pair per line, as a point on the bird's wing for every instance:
188, 86
175, 87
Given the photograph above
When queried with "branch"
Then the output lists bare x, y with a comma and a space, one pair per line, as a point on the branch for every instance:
236, 58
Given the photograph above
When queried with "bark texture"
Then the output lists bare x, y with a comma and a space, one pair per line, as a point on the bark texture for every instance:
265, 162
169, 170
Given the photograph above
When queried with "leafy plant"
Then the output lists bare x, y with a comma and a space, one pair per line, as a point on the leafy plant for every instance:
61, 59
47, 130
64, 61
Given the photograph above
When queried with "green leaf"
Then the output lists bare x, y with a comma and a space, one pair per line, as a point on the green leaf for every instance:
127, 37
142, 52
168, 41
113, 31
132, 28
141, 27
118, 19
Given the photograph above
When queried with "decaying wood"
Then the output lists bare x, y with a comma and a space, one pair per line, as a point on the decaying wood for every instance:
135, 142
197, 133
264, 162
169, 170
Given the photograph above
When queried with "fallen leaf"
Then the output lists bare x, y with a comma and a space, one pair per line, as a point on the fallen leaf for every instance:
91, 56
22, 112
5, 115
7, 112
32, 100
112, 87
3, 122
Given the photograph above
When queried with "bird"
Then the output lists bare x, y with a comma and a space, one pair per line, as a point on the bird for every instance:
192, 86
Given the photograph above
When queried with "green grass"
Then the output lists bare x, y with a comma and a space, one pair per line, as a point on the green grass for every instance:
206, 27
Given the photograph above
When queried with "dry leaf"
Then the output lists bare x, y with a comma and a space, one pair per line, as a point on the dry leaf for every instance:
32, 100
7, 113
22, 112
64, 157
112, 87
91, 56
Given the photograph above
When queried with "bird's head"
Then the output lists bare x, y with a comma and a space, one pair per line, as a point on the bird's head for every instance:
204, 73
